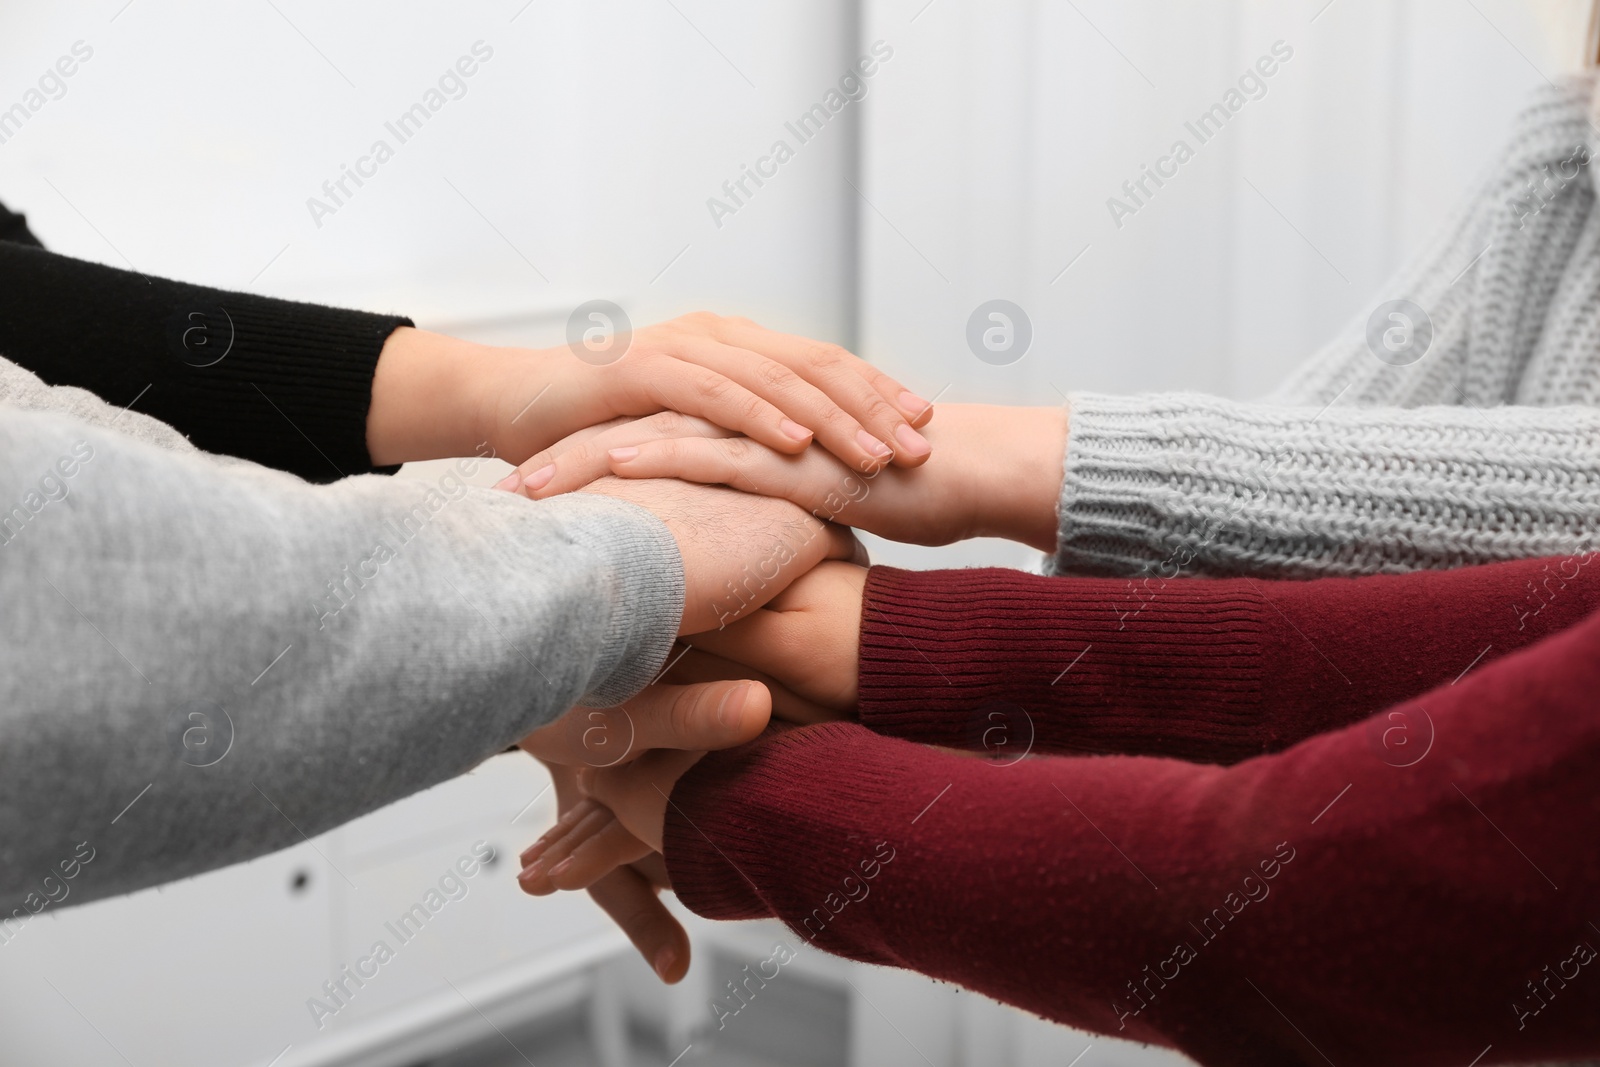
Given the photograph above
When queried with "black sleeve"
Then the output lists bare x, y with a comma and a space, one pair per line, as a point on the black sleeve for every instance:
14, 227
283, 384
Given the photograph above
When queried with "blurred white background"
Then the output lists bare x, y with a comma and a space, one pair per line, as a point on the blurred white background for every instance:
578, 164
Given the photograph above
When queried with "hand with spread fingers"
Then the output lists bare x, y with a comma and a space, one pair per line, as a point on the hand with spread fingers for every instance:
682, 720
609, 841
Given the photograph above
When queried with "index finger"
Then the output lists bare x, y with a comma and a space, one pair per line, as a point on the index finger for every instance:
634, 906
879, 401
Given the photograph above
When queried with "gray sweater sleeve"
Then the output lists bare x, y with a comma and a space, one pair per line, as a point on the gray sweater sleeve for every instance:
202, 662
1482, 446
1180, 483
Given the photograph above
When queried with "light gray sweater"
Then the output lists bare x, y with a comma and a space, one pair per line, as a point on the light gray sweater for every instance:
203, 660
1487, 448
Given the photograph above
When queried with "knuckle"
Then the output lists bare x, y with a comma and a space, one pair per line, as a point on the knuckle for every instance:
839, 420
827, 356
669, 423
775, 375
687, 711
635, 917
878, 410
753, 408
738, 448
718, 390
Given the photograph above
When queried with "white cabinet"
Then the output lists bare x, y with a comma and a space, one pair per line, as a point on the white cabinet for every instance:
202, 972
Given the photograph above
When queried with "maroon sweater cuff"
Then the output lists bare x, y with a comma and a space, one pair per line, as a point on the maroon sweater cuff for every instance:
738, 861
1211, 670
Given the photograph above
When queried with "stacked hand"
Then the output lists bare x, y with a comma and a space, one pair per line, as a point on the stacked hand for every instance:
615, 770
997, 472
435, 396
662, 719
773, 604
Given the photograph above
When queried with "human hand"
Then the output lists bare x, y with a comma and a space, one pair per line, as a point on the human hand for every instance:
628, 891
694, 665
997, 473
619, 815
436, 396
807, 639
739, 551
618, 820
680, 719
696, 717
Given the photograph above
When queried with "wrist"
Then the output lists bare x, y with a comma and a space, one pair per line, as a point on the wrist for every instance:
1022, 465
429, 395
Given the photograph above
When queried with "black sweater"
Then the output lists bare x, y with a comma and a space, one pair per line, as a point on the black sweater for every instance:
281, 383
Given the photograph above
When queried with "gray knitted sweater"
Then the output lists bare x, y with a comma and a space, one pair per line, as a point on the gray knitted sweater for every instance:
1487, 448
203, 660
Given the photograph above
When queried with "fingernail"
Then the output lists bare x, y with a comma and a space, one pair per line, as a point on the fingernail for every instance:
794, 430
911, 442
510, 482
912, 404
534, 851
666, 959
555, 872
622, 455
732, 704
530, 872
539, 478
872, 445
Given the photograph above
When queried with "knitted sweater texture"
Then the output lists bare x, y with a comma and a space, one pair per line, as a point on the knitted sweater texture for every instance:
1485, 448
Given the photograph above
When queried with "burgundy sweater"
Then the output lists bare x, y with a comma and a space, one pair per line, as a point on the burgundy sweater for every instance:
1322, 884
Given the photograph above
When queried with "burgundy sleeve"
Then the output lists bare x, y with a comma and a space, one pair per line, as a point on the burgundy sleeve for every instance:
1320, 905
1211, 670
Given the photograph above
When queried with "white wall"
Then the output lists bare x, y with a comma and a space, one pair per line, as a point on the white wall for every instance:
192, 140
1000, 131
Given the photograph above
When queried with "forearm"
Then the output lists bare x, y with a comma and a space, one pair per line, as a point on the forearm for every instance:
344, 646
1213, 670
1197, 906
1185, 484
283, 384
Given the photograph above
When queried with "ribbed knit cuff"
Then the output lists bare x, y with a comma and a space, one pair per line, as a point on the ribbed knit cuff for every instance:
1008, 663
646, 602
778, 827
281, 383
699, 830
1151, 481
307, 370
1175, 484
